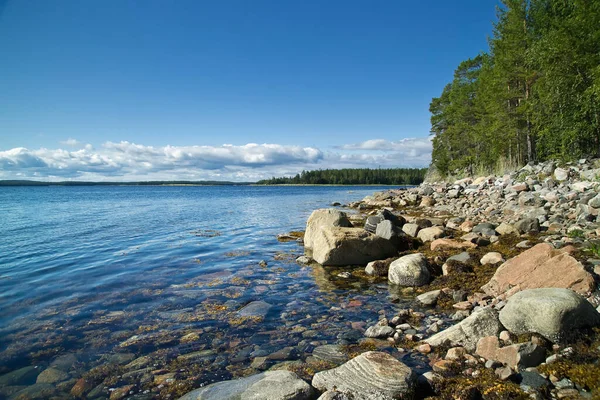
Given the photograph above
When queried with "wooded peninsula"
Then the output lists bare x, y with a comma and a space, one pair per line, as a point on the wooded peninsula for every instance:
534, 96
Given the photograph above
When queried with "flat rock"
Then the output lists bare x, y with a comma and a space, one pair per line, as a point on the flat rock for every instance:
441, 244
550, 312
467, 333
539, 267
21, 376
270, 385
52, 375
332, 353
349, 246
371, 375
379, 331
410, 270
430, 234
429, 298
255, 309
516, 356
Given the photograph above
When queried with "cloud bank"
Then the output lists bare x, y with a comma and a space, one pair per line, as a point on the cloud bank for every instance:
126, 161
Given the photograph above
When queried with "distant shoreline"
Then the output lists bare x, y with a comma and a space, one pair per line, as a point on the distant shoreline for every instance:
11, 183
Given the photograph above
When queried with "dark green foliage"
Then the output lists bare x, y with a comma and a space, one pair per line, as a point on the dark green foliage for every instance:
535, 96
354, 176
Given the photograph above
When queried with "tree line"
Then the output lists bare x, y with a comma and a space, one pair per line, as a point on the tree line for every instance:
535, 95
353, 176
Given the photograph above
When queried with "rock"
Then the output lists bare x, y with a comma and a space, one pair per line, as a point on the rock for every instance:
429, 298
505, 229
594, 201
52, 375
467, 226
81, 387
320, 219
333, 395
550, 312
516, 356
463, 257
379, 331
349, 246
304, 260
121, 392
467, 333
528, 225
331, 353
411, 229
430, 234
561, 174
378, 267
455, 353
540, 266
258, 309
270, 385
387, 230
38, 391
485, 228
427, 202
491, 258
530, 381
371, 375
19, 377
410, 270
439, 244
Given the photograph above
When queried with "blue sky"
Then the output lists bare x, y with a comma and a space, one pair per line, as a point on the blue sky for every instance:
121, 90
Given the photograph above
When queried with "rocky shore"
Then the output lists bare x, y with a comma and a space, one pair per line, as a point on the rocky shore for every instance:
505, 270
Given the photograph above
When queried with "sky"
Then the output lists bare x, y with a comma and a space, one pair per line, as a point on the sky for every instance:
119, 90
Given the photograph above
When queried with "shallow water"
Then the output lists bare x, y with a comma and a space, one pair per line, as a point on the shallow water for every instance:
93, 276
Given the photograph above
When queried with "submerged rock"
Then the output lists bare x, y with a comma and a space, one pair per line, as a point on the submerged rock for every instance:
550, 312
371, 375
270, 385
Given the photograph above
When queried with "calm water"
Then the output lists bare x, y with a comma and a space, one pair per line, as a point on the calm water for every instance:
115, 273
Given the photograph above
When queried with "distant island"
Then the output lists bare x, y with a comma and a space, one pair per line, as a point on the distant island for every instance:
144, 183
353, 176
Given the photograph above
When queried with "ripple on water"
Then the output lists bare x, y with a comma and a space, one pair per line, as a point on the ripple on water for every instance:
110, 275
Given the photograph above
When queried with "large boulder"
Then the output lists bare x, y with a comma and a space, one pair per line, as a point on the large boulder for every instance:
467, 333
371, 375
541, 266
550, 312
349, 246
270, 385
319, 219
410, 270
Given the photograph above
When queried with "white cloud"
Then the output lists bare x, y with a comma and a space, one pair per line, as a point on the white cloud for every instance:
125, 161
71, 142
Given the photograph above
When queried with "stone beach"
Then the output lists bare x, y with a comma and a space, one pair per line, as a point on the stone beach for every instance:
479, 288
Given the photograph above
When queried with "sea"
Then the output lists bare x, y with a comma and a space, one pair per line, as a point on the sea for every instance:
141, 287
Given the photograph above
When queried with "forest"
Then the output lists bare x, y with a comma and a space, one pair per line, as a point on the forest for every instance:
534, 96
353, 176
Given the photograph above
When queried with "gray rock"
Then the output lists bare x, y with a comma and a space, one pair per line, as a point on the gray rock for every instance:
319, 219
505, 229
333, 395
595, 201
531, 381
270, 385
484, 228
430, 234
411, 229
561, 174
332, 353
387, 230
378, 267
371, 375
550, 312
429, 298
22, 376
52, 375
410, 270
467, 333
463, 257
528, 225
349, 246
491, 258
379, 331
255, 309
